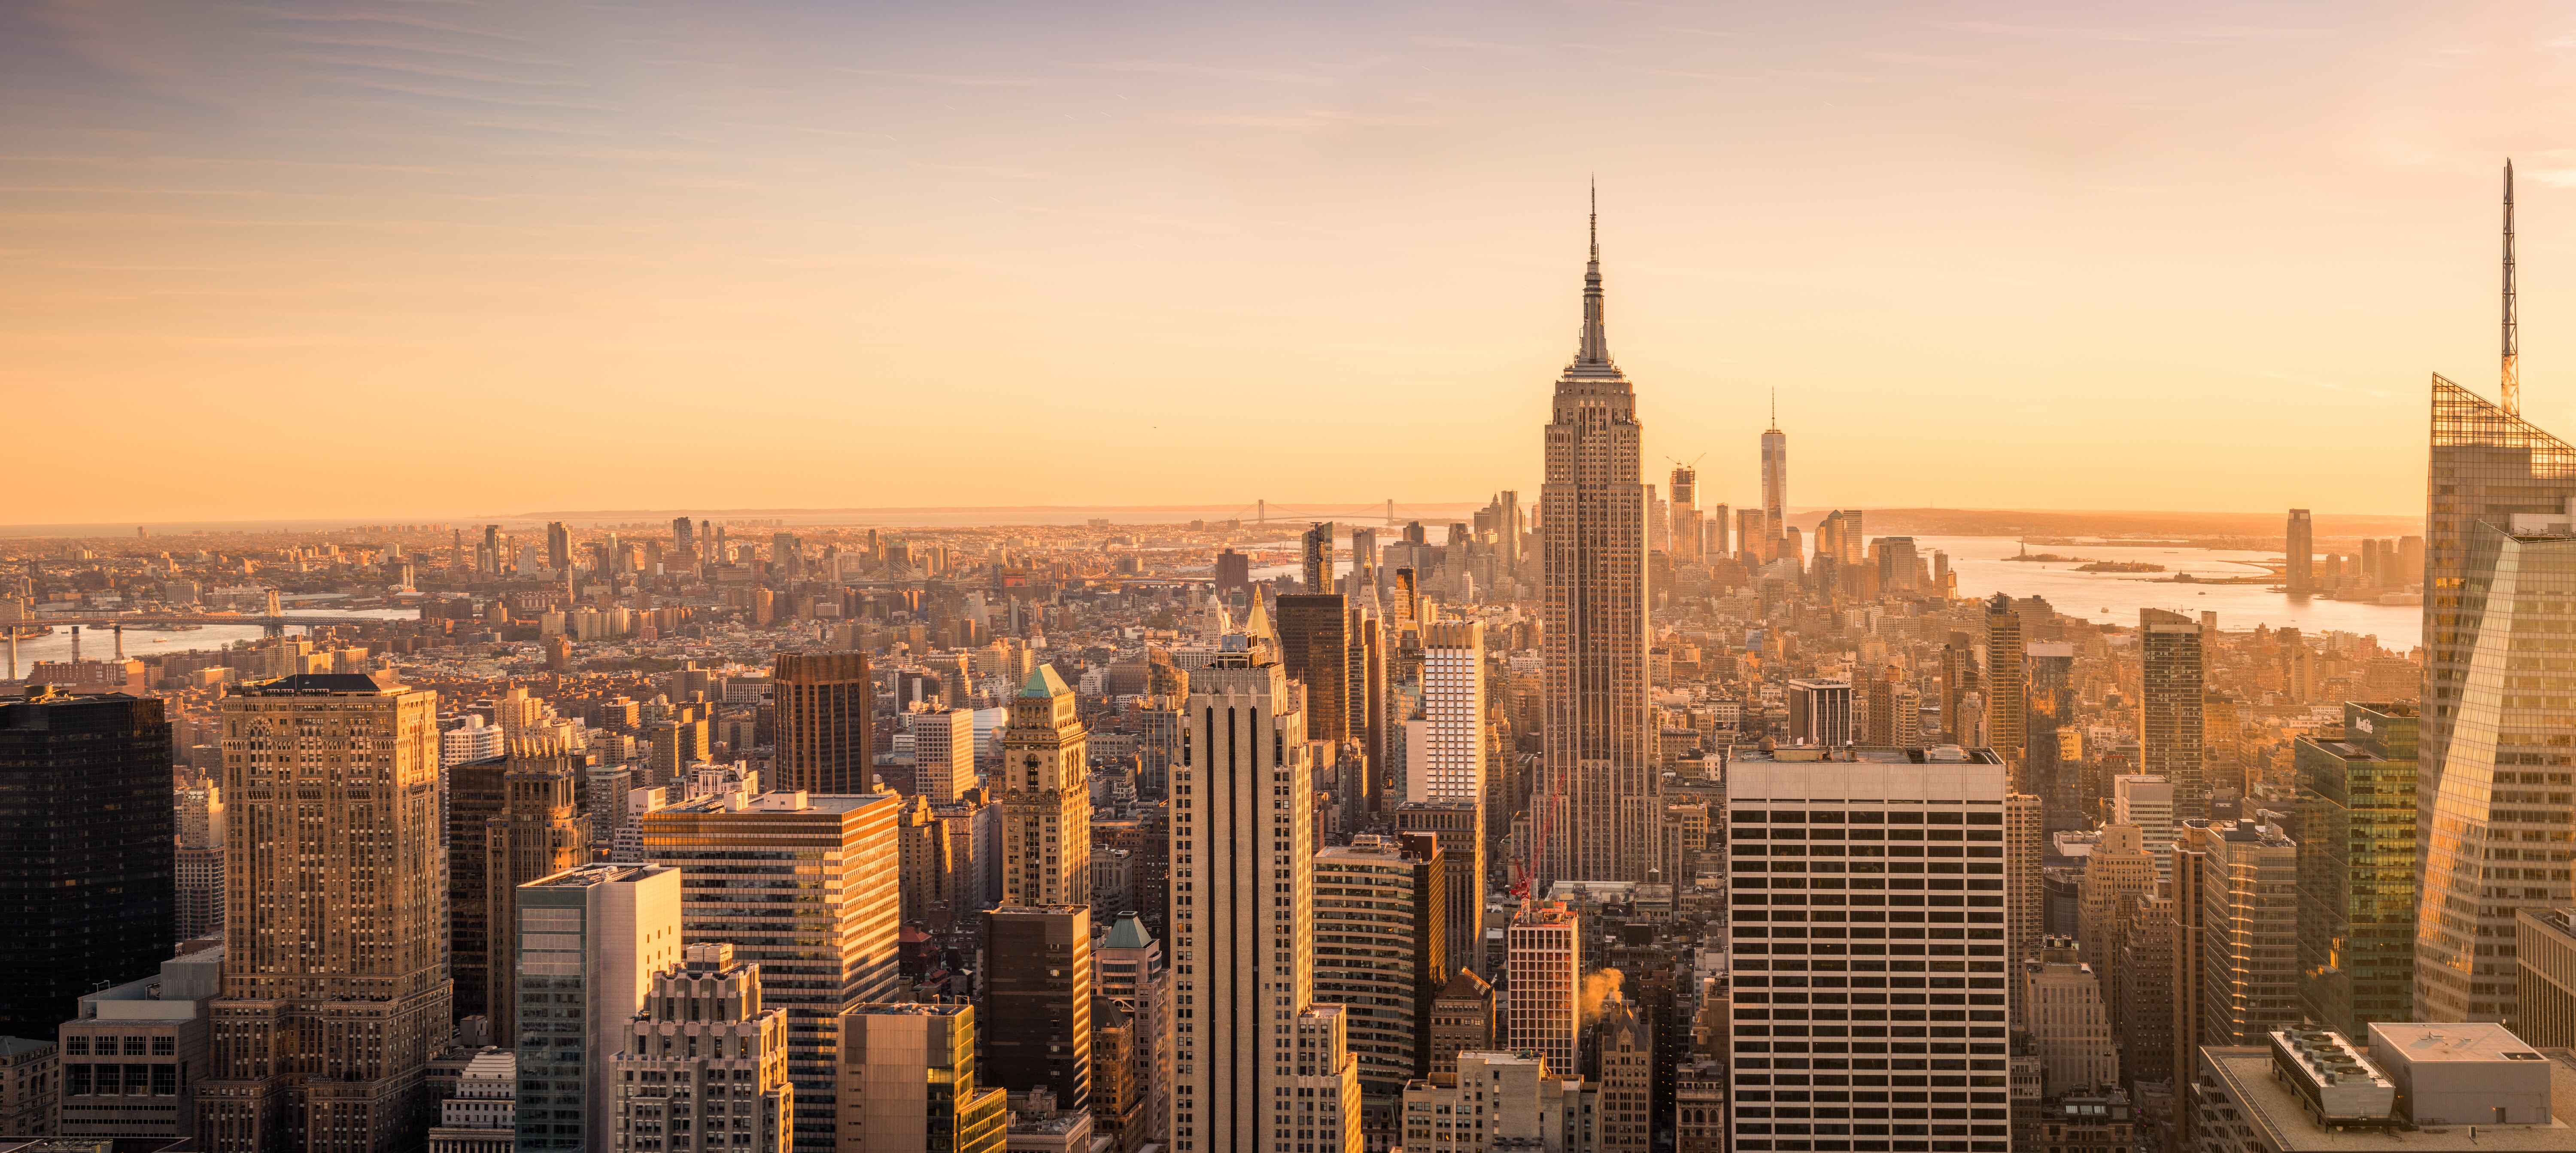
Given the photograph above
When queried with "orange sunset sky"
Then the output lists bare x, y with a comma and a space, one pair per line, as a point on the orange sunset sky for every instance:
432, 259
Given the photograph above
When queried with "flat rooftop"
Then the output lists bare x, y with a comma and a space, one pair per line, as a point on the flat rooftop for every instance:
2275, 1111
2478, 1041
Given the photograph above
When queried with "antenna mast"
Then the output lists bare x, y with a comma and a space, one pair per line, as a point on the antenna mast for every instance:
2512, 324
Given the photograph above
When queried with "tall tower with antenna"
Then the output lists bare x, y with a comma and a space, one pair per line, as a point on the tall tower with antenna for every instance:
2512, 391
1775, 475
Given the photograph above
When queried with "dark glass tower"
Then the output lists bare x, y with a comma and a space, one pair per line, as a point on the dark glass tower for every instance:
2357, 870
87, 841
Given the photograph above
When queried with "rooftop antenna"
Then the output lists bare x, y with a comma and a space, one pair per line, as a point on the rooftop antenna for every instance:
2512, 338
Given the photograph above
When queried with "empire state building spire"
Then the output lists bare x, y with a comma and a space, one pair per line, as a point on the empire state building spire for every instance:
1595, 348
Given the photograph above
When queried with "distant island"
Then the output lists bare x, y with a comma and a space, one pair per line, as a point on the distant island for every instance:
2120, 566
2045, 556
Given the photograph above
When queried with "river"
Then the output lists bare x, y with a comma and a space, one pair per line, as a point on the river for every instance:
100, 644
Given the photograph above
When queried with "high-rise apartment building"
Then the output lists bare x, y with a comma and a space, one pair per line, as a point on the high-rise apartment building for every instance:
2024, 833
1315, 648
2007, 690
803, 886
1243, 913
2248, 929
335, 988
2492, 793
1316, 549
943, 754
1046, 797
1596, 805
908, 1082
2357, 869
2301, 554
2145, 802
825, 704
1444, 761
1853, 878
2170, 732
1543, 982
87, 834
1381, 951
703, 1068
1037, 1001
590, 939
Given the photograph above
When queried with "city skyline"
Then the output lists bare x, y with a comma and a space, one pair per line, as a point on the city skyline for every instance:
311, 226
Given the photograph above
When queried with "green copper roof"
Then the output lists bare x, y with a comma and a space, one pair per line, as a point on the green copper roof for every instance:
1043, 682
1128, 933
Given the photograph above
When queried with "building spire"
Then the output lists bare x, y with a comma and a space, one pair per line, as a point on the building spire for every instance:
1595, 348
2512, 389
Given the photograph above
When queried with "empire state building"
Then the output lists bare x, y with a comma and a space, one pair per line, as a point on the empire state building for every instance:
1598, 805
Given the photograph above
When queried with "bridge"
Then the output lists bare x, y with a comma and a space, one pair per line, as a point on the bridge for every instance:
160, 620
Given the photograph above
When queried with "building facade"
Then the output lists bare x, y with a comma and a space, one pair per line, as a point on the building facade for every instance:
335, 987
87, 828
703, 1068
750, 867
2357, 869
1596, 807
826, 705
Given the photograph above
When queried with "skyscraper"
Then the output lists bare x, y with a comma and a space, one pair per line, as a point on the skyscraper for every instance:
717, 1057
1775, 472
1686, 535
804, 886
86, 830
1317, 551
1129, 969
1314, 646
2170, 732
1791, 824
591, 939
1380, 949
2249, 929
2006, 689
2357, 869
1543, 982
1037, 1001
908, 1082
1444, 760
539, 832
825, 704
1243, 912
1597, 803
335, 927
2484, 590
1046, 798
943, 754
2300, 550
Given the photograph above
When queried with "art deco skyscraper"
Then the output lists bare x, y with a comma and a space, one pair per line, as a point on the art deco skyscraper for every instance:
1598, 797
825, 702
2483, 592
1046, 797
1243, 931
335, 961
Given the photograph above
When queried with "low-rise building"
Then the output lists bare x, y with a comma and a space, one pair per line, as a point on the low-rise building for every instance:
483, 1116
131, 1059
